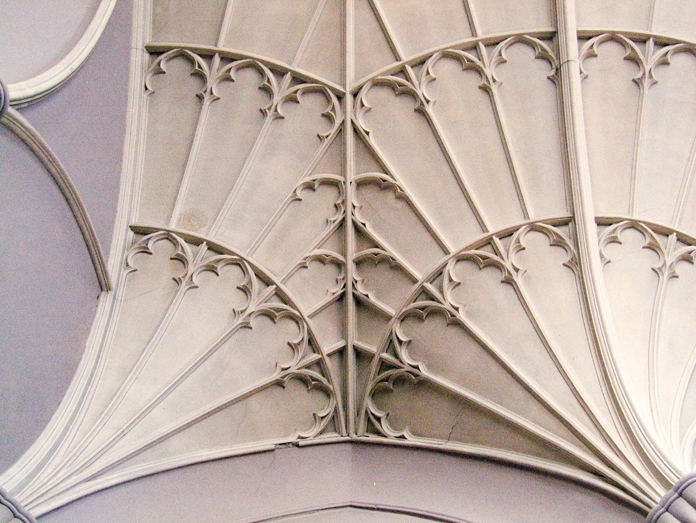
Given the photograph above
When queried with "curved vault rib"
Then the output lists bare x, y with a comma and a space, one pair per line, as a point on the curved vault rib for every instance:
236, 54
581, 185
465, 44
651, 198
95, 457
599, 447
33, 89
16, 123
363, 223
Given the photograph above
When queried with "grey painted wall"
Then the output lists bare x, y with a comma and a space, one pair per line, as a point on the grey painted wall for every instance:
48, 296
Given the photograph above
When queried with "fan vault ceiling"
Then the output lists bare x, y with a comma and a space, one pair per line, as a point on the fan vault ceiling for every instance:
457, 225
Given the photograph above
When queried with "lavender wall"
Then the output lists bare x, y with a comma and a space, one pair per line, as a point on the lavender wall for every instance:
36, 35
292, 480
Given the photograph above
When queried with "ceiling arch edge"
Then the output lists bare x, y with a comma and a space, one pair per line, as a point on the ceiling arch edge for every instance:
418, 484
11, 511
29, 91
357, 509
17, 124
678, 505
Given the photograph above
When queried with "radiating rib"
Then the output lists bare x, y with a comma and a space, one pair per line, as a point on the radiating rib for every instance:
384, 246
471, 17
78, 466
556, 409
504, 133
378, 255
282, 206
72, 455
573, 384
262, 273
208, 98
226, 23
656, 317
651, 425
413, 202
677, 407
286, 94
580, 182
510, 156
527, 427
176, 427
308, 34
569, 378
622, 450
643, 86
386, 29
654, 10
332, 349
685, 188
350, 374
239, 182
556, 357
366, 348
413, 273
475, 208
447, 151
374, 303
323, 304
689, 439
283, 278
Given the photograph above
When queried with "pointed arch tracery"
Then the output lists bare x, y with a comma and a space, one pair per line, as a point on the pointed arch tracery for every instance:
472, 256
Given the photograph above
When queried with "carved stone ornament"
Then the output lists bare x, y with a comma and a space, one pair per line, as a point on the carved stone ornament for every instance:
474, 233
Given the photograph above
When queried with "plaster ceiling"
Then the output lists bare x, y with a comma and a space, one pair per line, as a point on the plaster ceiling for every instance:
467, 225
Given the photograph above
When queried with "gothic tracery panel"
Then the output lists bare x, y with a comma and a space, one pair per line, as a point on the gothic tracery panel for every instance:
341, 227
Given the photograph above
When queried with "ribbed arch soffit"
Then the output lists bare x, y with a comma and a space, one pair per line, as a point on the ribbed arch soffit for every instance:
462, 225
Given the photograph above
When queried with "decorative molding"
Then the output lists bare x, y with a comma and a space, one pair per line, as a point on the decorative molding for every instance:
29, 91
4, 99
462, 45
603, 330
427, 237
102, 457
16, 123
11, 511
678, 504
236, 54
394, 362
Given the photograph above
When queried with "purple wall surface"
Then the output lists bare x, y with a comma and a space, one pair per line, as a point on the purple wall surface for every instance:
422, 483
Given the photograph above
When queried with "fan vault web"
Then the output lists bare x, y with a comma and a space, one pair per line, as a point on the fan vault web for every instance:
340, 223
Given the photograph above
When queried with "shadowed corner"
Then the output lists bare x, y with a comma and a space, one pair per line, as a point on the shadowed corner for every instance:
11, 511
